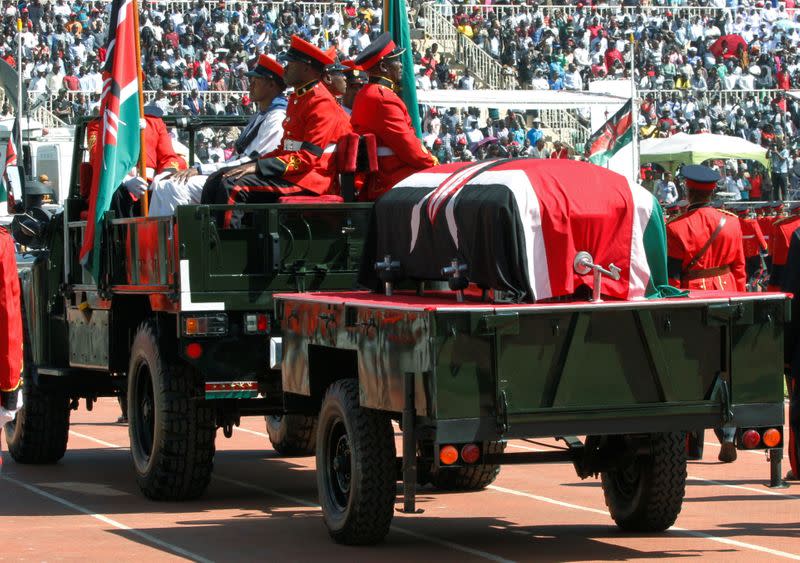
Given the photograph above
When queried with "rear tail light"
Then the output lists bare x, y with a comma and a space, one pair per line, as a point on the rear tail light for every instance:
256, 323
470, 453
751, 439
772, 438
194, 350
448, 455
205, 325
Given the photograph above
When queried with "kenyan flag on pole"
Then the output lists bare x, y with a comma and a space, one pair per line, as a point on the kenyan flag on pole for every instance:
612, 136
117, 148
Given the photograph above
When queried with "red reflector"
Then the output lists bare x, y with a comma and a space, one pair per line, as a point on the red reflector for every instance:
470, 453
448, 455
194, 350
262, 323
751, 439
772, 437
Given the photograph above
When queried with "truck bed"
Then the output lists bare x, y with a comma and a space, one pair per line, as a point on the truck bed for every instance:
487, 370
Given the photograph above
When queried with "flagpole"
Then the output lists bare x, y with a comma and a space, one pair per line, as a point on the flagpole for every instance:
20, 105
634, 113
139, 79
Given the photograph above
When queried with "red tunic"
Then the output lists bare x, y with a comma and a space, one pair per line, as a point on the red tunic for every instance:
10, 317
723, 262
378, 110
781, 238
753, 239
160, 153
767, 222
314, 124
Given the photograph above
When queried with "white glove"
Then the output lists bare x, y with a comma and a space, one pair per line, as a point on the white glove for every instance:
7, 415
136, 186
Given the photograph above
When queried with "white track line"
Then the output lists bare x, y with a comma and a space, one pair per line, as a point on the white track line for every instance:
302, 502
684, 531
246, 431
106, 520
764, 491
97, 441
426, 537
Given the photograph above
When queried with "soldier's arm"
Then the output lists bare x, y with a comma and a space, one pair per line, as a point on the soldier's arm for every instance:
10, 325
396, 135
675, 254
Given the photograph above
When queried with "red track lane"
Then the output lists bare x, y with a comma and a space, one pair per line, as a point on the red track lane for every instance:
261, 507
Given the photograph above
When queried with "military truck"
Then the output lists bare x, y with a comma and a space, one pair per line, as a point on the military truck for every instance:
179, 323
199, 325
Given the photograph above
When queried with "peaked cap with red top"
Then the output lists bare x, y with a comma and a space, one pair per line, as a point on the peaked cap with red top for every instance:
266, 67
700, 178
382, 48
302, 51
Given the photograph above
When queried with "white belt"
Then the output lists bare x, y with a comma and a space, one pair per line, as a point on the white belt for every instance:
385, 151
292, 145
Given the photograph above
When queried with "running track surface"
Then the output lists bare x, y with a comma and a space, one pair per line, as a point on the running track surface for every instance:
263, 507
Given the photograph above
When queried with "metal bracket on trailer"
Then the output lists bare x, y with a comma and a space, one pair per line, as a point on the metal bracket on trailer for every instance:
409, 447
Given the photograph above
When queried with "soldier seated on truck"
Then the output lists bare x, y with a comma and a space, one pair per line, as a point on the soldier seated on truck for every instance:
261, 136
304, 163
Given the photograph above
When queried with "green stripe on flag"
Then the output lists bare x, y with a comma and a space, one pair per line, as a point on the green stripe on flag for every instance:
655, 248
118, 159
601, 158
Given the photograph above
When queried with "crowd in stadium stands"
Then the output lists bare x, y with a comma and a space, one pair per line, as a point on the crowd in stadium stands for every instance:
203, 48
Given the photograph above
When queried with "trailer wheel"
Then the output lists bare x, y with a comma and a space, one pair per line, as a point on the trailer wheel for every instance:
470, 477
39, 433
647, 494
292, 434
171, 430
356, 473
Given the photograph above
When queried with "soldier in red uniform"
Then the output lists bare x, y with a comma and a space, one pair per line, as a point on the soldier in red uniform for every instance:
11, 332
304, 163
704, 245
704, 251
379, 110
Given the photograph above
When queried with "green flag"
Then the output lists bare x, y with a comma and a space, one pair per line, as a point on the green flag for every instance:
395, 21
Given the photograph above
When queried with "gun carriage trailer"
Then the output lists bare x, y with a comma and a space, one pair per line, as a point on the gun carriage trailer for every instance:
199, 325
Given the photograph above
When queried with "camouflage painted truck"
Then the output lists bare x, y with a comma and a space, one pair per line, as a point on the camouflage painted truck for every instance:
462, 339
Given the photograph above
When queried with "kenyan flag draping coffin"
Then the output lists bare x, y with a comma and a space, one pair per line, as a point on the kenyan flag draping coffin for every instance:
517, 224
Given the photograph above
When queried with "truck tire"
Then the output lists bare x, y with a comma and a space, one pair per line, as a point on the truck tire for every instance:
40, 432
470, 477
356, 473
171, 430
647, 494
292, 434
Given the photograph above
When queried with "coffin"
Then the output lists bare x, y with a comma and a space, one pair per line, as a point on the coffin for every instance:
516, 226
